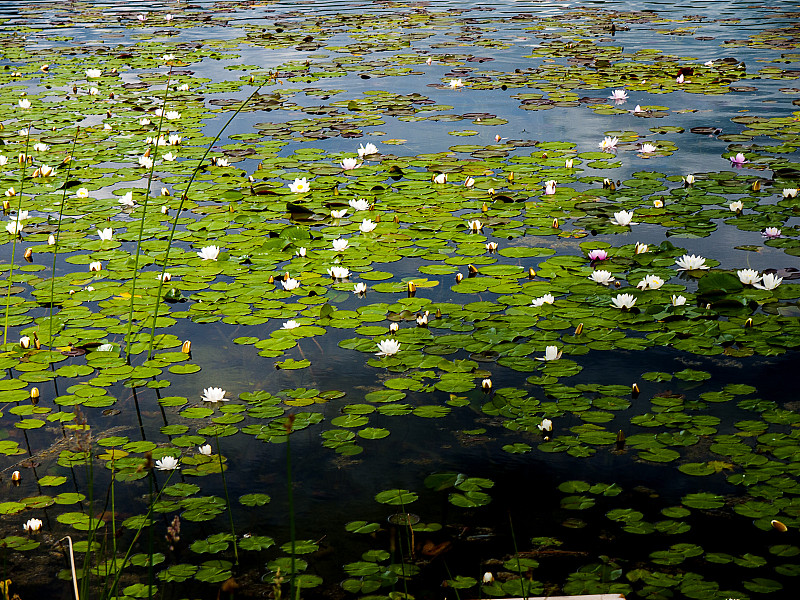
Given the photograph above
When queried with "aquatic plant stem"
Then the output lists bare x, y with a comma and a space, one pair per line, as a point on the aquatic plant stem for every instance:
523, 587
72, 566
227, 501
184, 195
290, 498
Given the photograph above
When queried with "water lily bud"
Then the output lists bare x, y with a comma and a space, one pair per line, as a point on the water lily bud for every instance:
25, 342
579, 329
484, 208
491, 191
412, 289
28, 255
186, 348
36, 343
51, 240
620, 441
378, 219
688, 180
617, 284
44, 68
459, 277
164, 210
531, 273
6, 206
35, 395
488, 577
635, 390
568, 163
23, 158
777, 525
165, 192
511, 176
486, 385
473, 270
396, 219
394, 327
438, 313
271, 279
749, 322
555, 223
15, 477
756, 185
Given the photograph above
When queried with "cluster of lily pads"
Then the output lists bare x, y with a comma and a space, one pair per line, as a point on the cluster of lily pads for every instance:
475, 287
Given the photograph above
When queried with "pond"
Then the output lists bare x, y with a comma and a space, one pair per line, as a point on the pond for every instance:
398, 300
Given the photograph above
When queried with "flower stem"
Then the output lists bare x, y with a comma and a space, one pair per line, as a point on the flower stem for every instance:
227, 501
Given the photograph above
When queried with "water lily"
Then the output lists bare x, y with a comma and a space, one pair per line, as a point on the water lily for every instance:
550, 353
367, 150
93, 73
3, 160
168, 57
166, 276
51, 240
491, 246
748, 276
769, 281
105, 234
422, 320
339, 272
623, 301
144, 121
680, 78
214, 395
174, 140
771, 233
658, 203
222, 162
105, 348
678, 300
338, 214
168, 463
550, 187
469, 182
456, 83
475, 225
608, 143
367, 225
340, 244
790, 192
300, 186
169, 157
127, 200
205, 450
690, 262
142, 17
648, 148
545, 425
209, 252
24, 103
618, 96
738, 160
95, 266
689, 180
45, 171
348, 164
388, 347
32, 525
290, 284
650, 282
40, 147
568, 163
440, 178
301, 252
146, 162
184, 87
603, 277
598, 254
14, 227
290, 324
93, 91
25, 342
82, 193
360, 288
21, 215
736, 206
623, 218
541, 301
359, 204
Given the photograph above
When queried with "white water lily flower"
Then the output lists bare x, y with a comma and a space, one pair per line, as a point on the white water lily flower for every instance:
348, 164
144, 121
82, 193
422, 320
3, 160
456, 83
748, 276
184, 87
95, 266
89, 288
168, 463
736, 206
167, 276
93, 91
32, 525
290, 324
568, 163
301, 252
623, 301
658, 203
142, 17
550, 187
441, 178
367, 150
174, 139
648, 148
545, 425
690, 262
24, 132
169, 157
360, 288
491, 246
14, 227
300, 186
618, 96
689, 179
24, 103
338, 214
93, 73
146, 162
51, 240
214, 395
546, 299
367, 225
205, 450
603, 277
609, 143
769, 281
290, 284
127, 200
790, 192
623, 218
388, 347
678, 300
650, 282
341, 244
105, 234
105, 348
21, 215
772, 233
168, 17
475, 225
359, 204
339, 272
40, 147
209, 252
168, 57
46, 171
222, 162
550, 353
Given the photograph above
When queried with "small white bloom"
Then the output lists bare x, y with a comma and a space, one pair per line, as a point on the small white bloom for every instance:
40, 147
546, 299
25, 342
205, 450
95, 266
184, 87
488, 577
146, 162
300, 186
736, 206
456, 83
93, 91
388, 347
291, 324
648, 148
222, 162
174, 139
360, 204
551, 353
142, 17
127, 200
360, 288
105, 348
24, 132
545, 425
169, 157
93, 73
440, 178
338, 214
618, 96
690, 262
422, 320
214, 395
32, 525
772, 233
678, 300
105, 234
144, 121
339, 272
475, 225
608, 143
301, 252
89, 288
568, 163
3, 160
168, 57
209, 253
623, 301
46, 171
748, 276
367, 225
769, 281
168, 463
790, 192
290, 284
550, 187
51, 240
491, 246
167, 276
340, 245
21, 215
24, 103
348, 164
650, 282
623, 218
469, 182
680, 78
172, 115
603, 277
658, 203
367, 150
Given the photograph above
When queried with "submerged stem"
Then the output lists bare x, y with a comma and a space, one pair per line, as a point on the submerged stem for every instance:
227, 501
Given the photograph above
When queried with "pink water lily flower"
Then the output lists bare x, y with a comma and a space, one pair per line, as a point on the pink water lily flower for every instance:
738, 160
771, 233
598, 254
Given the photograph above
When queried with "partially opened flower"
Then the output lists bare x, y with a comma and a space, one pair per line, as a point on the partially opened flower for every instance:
440, 178
359, 204
623, 301
541, 301
608, 143
456, 83
360, 288
367, 225
603, 277
145, 161
24, 103
545, 425
213, 395
748, 276
338, 214
32, 525
568, 163
300, 186
598, 254
205, 450
680, 78
678, 300
301, 252
168, 463
618, 96
690, 262
648, 148
95, 266
290, 284
105, 234
689, 180
475, 225
388, 347
14, 227
174, 140
173, 115
650, 282
769, 281
40, 147
623, 218
790, 192
640, 248
290, 324
469, 182
209, 252
127, 200
772, 233
550, 187
738, 160
221, 162
167, 276
339, 272
46, 171
367, 150
736, 206
348, 164
169, 157
551, 353
340, 244
93, 73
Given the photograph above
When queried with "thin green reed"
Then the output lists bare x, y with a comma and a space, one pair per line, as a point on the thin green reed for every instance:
227, 496
159, 293
23, 166
128, 337
68, 161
